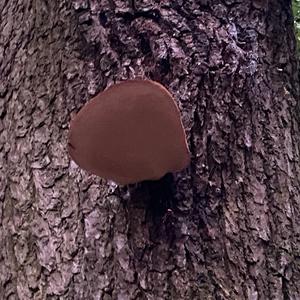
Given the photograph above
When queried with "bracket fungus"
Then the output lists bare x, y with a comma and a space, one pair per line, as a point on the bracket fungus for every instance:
129, 133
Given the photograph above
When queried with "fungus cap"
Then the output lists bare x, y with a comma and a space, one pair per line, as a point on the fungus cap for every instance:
129, 133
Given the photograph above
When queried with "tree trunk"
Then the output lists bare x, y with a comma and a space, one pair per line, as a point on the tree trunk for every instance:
228, 227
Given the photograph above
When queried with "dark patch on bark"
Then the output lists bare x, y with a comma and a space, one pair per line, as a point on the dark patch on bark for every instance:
146, 14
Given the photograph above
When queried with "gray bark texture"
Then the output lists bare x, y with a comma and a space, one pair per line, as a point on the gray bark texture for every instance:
227, 227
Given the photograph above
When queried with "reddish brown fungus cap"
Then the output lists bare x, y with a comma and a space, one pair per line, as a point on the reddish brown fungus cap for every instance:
129, 133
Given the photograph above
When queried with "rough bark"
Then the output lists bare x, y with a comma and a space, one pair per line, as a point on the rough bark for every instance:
226, 228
